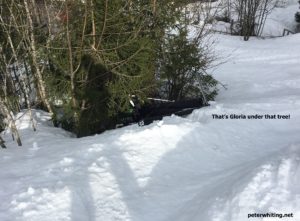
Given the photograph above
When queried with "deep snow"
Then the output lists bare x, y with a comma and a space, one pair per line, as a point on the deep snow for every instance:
178, 169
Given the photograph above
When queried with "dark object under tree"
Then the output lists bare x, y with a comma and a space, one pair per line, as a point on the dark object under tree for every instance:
156, 109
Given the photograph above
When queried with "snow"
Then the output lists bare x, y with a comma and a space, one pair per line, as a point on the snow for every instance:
179, 169
278, 19
281, 18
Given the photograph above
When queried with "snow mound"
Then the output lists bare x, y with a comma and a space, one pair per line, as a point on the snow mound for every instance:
272, 187
281, 18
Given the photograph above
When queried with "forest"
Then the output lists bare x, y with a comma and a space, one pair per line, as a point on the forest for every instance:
82, 61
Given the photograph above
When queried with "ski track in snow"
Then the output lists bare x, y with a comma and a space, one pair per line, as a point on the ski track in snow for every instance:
177, 169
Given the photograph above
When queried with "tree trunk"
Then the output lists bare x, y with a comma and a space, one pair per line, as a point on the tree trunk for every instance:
38, 72
11, 122
2, 143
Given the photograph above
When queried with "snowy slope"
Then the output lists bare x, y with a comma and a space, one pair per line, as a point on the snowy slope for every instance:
281, 18
198, 168
278, 19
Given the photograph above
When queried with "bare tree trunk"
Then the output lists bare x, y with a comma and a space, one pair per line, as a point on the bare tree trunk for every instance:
11, 122
35, 11
93, 25
71, 70
38, 72
252, 15
28, 103
2, 142
154, 7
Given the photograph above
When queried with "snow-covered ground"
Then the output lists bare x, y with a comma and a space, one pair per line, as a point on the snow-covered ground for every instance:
278, 19
179, 169
281, 18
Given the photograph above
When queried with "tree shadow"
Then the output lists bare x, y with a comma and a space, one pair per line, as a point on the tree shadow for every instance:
183, 185
82, 202
126, 180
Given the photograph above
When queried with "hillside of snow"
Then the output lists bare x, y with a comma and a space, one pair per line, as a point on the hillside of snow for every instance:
279, 18
177, 169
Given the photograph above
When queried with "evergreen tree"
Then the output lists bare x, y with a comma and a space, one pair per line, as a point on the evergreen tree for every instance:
102, 59
183, 68
82, 60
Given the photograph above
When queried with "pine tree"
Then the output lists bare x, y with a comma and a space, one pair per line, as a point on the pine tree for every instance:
102, 59
85, 68
183, 66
